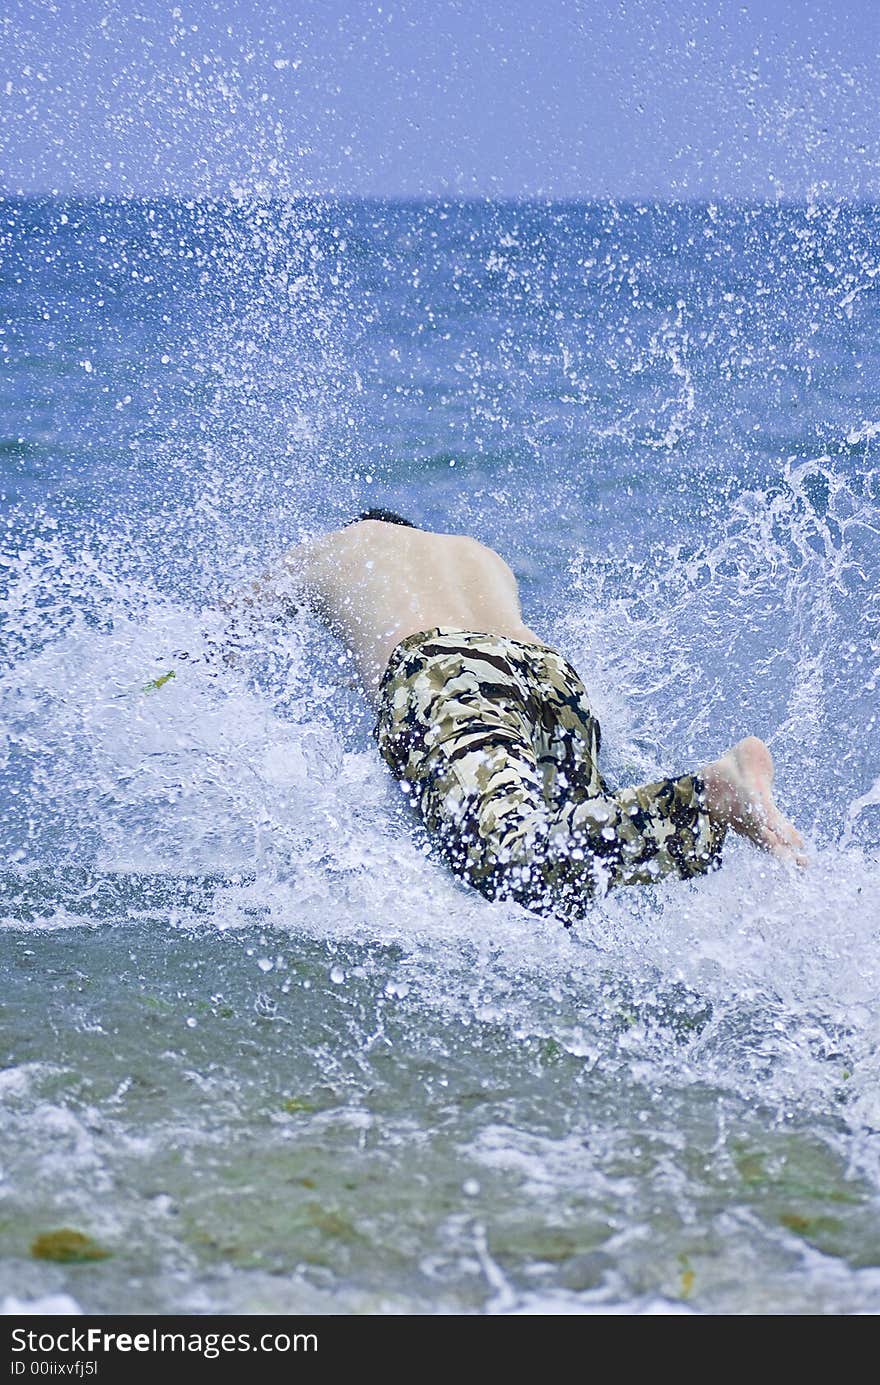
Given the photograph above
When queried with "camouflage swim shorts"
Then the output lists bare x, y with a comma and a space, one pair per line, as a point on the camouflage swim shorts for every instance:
498, 748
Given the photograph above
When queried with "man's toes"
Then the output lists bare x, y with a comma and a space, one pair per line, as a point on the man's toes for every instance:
785, 849
789, 832
768, 838
784, 852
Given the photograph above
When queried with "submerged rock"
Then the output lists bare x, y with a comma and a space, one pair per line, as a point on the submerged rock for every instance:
67, 1247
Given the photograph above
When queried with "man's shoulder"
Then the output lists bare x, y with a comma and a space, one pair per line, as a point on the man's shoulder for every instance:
366, 534
489, 555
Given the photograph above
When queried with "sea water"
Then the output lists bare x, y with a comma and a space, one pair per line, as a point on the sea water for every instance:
260, 1050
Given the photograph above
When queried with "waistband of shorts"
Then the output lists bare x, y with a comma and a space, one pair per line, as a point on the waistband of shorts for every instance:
479, 638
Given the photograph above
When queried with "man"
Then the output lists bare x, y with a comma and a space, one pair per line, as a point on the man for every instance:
491, 733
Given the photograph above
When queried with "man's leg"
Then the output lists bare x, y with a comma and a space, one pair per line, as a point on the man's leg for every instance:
635, 836
453, 725
486, 733
641, 834
480, 794
479, 729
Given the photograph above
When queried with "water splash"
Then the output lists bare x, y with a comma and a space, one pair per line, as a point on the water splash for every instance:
223, 866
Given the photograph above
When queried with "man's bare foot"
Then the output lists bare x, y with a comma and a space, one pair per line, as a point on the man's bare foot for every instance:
739, 794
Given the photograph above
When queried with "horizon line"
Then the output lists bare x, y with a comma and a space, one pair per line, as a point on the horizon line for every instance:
445, 199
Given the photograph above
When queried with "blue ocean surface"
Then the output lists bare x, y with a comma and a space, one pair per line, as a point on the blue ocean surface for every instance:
259, 1047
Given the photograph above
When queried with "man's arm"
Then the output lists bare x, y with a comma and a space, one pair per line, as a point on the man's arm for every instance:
278, 593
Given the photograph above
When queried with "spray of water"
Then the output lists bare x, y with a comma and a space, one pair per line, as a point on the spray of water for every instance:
214, 869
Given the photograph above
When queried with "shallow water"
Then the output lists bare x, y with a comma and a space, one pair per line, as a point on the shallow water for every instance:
257, 1043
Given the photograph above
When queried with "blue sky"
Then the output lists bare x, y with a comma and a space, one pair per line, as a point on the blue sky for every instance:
565, 98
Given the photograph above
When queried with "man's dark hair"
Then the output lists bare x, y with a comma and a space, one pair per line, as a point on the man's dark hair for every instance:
387, 517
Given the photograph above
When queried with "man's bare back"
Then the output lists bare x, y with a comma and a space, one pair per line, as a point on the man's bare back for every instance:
374, 583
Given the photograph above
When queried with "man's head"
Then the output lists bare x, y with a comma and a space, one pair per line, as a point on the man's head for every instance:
387, 517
